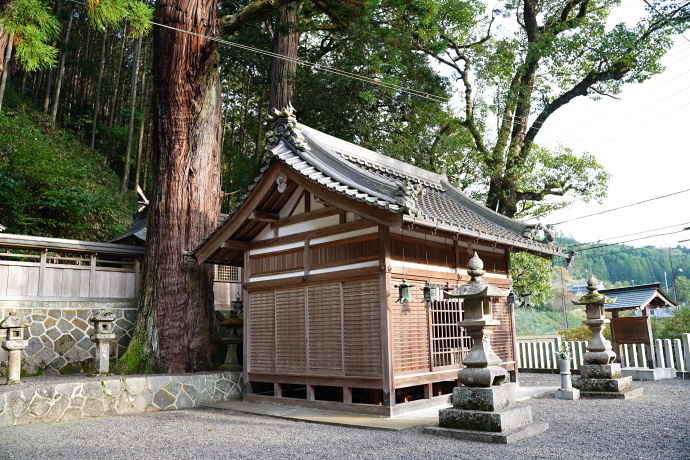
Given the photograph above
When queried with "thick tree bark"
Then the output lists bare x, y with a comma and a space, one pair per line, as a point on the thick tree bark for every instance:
175, 328
130, 126
285, 43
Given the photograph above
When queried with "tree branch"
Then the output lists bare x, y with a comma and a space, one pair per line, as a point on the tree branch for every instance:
320, 4
252, 12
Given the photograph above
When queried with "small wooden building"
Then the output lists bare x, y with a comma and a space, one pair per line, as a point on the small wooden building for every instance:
325, 236
635, 329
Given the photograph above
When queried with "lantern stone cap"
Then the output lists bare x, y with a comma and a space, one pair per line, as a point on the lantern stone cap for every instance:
476, 287
14, 320
102, 315
594, 297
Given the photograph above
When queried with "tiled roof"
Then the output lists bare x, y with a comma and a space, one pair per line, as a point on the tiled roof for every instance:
376, 179
634, 296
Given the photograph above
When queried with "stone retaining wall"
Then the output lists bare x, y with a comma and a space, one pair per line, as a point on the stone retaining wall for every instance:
95, 397
60, 331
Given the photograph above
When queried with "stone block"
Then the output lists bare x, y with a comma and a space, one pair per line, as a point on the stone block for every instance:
77, 402
54, 333
69, 314
93, 407
135, 385
603, 385
39, 406
642, 373
571, 394
157, 382
497, 422
64, 344
53, 313
125, 401
162, 399
93, 389
58, 408
144, 400
71, 414
224, 386
57, 363
66, 389
36, 329
600, 371
173, 387
484, 399
184, 401
112, 387
35, 345
81, 324
497, 438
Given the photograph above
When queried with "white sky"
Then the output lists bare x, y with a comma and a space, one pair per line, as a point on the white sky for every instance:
642, 140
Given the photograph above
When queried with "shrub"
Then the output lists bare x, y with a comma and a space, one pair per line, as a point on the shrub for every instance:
672, 328
581, 333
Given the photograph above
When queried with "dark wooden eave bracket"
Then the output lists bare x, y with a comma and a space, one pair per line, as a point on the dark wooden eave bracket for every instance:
262, 216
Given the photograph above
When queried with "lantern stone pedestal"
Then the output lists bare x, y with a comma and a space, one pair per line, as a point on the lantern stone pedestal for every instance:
234, 325
14, 343
601, 377
484, 409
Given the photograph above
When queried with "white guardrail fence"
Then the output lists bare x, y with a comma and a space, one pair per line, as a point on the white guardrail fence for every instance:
542, 355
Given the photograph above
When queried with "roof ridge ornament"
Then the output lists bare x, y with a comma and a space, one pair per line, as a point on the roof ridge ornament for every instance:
407, 195
285, 127
539, 232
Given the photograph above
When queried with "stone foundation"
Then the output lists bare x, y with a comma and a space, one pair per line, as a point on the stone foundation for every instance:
96, 397
59, 334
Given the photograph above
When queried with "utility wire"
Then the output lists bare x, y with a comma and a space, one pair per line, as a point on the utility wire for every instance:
629, 234
622, 207
680, 32
634, 239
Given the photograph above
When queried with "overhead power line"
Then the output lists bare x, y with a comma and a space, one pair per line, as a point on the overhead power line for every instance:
634, 239
629, 234
680, 32
622, 207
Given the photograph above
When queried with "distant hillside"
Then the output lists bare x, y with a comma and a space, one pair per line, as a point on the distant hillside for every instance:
622, 264
51, 184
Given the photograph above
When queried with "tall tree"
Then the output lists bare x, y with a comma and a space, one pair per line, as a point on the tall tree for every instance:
130, 126
561, 50
285, 44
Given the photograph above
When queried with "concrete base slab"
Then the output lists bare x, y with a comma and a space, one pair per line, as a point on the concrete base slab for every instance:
630, 394
571, 394
642, 373
497, 438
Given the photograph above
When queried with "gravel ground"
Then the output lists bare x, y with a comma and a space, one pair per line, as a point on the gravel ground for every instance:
657, 425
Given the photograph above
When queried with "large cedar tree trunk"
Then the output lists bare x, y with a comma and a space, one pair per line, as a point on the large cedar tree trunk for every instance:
175, 329
285, 43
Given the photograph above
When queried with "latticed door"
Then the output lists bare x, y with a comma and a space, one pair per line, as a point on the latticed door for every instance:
449, 342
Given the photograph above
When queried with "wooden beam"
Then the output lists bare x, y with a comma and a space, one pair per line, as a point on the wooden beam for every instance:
262, 216
287, 281
232, 244
239, 218
307, 216
328, 231
368, 211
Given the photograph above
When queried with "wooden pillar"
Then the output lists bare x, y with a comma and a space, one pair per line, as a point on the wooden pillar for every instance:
511, 315
310, 393
651, 357
92, 275
386, 316
277, 390
615, 345
42, 274
246, 270
428, 390
347, 395
137, 277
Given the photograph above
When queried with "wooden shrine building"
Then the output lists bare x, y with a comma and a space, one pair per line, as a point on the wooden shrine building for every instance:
635, 329
325, 235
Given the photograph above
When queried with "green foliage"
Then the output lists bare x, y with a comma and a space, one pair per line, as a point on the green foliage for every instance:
51, 185
112, 12
33, 27
531, 274
581, 333
135, 360
672, 327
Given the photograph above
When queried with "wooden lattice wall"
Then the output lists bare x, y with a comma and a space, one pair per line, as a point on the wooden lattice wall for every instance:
327, 329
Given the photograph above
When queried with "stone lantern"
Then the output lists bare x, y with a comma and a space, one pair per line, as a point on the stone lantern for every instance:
484, 409
103, 334
601, 376
234, 325
14, 343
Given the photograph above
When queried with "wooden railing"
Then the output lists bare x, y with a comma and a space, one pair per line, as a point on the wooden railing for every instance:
542, 355
34, 268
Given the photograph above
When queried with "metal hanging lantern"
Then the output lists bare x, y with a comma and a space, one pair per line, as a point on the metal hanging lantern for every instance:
404, 292
429, 292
